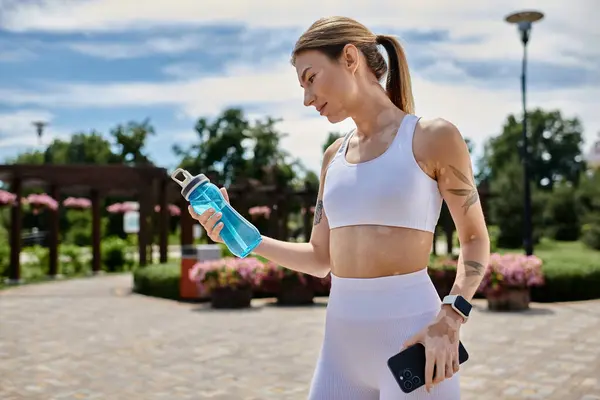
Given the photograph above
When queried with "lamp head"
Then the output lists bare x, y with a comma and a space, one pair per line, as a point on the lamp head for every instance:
524, 20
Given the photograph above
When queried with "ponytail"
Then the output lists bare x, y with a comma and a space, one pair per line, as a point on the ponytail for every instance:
398, 85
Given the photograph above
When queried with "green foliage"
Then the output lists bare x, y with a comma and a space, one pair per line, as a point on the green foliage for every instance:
114, 255
331, 138
591, 231
507, 206
562, 214
160, 280
555, 148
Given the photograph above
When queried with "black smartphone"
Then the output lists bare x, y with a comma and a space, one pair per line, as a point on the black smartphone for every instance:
408, 366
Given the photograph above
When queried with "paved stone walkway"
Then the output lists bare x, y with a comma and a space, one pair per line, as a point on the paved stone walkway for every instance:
92, 339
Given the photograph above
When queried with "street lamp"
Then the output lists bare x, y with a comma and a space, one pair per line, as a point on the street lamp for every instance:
524, 21
39, 127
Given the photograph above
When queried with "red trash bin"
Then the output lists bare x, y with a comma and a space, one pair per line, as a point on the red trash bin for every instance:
190, 255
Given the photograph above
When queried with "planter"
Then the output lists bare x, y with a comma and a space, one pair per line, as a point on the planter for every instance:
295, 293
227, 297
509, 299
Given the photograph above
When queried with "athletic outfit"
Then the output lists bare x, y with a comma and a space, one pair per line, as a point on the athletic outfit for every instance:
368, 320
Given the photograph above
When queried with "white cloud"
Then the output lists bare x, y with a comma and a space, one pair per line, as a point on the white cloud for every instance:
461, 17
158, 45
17, 129
478, 112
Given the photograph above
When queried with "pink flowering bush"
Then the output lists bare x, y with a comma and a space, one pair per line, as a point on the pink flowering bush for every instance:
229, 272
173, 209
77, 202
273, 276
120, 208
259, 211
39, 201
511, 271
7, 198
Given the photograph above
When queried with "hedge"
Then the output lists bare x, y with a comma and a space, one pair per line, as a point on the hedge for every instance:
159, 280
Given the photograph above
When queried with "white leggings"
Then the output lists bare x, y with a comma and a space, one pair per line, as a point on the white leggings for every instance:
367, 322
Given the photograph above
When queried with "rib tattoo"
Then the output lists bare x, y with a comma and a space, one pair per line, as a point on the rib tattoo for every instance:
471, 194
318, 212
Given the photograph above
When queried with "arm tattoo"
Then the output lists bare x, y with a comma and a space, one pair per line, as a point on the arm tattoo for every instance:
471, 194
318, 212
473, 268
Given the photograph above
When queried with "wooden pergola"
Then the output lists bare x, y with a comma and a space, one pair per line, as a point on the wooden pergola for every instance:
149, 185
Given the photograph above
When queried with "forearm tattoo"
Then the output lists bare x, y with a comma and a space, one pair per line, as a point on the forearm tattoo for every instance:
471, 194
318, 212
473, 268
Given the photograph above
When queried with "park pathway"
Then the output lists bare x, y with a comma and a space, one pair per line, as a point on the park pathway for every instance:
93, 339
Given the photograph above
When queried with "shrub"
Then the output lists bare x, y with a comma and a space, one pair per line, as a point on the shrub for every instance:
114, 255
160, 280
231, 272
511, 271
73, 261
571, 272
591, 231
562, 214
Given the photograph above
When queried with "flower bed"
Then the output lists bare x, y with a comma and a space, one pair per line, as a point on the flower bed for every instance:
229, 281
508, 280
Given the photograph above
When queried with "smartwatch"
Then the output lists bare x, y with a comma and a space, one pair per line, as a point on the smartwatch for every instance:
458, 304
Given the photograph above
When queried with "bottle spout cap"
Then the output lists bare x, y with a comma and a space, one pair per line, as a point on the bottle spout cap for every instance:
187, 177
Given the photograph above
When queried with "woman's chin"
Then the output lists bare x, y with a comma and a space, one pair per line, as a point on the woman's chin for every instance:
334, 119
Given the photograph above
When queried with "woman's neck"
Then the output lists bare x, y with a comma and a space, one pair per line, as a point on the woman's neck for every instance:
375, 112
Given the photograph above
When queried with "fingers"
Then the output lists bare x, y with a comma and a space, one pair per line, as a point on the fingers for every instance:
210, 221
430, 362
449, 365
440, 368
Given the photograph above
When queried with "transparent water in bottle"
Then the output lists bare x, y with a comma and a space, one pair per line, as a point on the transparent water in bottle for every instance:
239, 235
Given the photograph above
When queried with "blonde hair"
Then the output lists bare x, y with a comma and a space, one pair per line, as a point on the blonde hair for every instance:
330, 36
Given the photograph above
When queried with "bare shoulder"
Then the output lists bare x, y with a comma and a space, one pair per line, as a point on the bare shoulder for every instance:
437, 141
331, 150
439, 132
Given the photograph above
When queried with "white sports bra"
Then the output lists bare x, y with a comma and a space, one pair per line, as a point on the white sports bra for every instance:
390, 190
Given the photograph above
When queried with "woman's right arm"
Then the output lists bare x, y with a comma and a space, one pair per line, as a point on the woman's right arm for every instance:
310, 258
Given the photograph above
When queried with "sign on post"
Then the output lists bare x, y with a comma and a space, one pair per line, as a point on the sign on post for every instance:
131, 222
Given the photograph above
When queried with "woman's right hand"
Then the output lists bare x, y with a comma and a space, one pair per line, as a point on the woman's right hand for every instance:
210, 220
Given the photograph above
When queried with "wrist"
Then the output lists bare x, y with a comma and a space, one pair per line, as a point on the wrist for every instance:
449, 312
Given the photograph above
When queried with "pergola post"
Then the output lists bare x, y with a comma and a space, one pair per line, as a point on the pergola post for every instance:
16, 214
96, 233
54, 232
163, 221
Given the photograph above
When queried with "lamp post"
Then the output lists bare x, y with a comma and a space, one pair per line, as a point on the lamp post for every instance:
39, 127
524, 21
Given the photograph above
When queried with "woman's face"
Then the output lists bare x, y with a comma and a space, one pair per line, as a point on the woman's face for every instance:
328, 86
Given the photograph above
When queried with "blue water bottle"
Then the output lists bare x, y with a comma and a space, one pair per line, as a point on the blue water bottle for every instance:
238, 234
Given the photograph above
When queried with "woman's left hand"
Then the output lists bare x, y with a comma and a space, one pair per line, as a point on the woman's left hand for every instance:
440, 340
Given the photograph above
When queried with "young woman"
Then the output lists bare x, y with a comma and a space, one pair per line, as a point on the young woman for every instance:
379, 200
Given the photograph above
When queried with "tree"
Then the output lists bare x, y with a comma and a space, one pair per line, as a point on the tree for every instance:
231, 149
555, 148
80, 148
506, 205
332, 137
131, 140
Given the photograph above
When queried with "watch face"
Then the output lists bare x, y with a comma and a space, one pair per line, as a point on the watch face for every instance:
463, 305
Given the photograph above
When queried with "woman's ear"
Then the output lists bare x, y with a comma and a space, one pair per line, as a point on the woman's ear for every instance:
350, 58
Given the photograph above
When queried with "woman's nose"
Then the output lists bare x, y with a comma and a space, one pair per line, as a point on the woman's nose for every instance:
308, 98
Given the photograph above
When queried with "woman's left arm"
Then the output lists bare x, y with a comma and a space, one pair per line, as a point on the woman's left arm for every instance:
454, 174
449, 160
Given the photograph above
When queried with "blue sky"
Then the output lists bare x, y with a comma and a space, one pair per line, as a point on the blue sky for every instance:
92, 64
